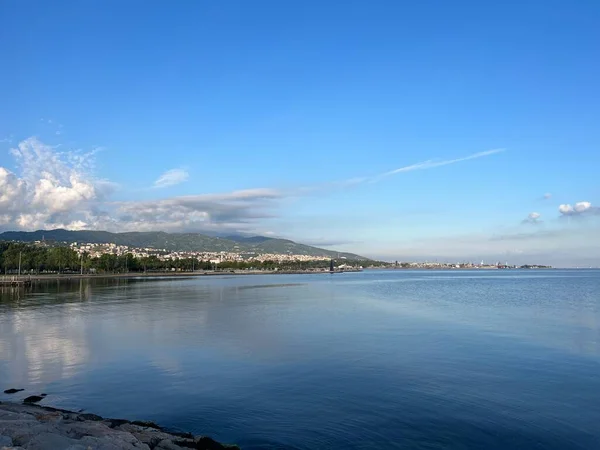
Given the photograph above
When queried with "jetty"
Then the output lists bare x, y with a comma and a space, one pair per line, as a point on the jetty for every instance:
15, 280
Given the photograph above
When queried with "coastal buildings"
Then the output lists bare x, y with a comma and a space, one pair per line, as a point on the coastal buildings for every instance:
97, 250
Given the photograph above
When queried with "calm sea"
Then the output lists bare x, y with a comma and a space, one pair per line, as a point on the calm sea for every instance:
404, 359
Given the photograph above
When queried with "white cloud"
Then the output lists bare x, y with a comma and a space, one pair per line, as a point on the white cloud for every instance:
547, 196
533, 218
55, 188
565, 209
580, 209
171, 178
12, 191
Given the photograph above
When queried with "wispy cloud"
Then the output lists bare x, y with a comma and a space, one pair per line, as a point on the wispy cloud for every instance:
547, 196
423, 165
171, 178
433, 163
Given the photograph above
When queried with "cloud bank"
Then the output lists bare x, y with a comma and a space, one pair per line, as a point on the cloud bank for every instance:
238, 211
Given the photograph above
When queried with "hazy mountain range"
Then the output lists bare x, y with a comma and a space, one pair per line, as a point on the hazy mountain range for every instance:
177, 242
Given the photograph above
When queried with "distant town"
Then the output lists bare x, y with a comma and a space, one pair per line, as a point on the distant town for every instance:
43, 257
97, 250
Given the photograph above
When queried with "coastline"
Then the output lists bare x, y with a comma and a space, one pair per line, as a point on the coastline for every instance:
24, 425
75, 276
16, 280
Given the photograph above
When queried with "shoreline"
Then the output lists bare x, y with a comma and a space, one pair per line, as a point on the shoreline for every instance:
7, 279
16, 280
44, 427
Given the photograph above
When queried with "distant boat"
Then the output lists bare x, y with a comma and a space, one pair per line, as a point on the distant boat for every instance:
331, 268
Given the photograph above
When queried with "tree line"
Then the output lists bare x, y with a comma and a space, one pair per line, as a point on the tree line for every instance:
33, 259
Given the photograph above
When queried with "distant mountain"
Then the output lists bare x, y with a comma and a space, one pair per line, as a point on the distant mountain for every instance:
177, 242
249, 239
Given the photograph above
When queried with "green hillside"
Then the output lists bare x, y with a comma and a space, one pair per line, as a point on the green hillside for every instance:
176, 242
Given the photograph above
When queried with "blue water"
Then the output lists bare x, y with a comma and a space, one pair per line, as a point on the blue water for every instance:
402, 359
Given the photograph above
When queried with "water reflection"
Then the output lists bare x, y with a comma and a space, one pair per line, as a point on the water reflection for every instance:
54, 330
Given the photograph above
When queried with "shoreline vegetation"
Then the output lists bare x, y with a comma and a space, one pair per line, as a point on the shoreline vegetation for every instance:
28, 425
36, 260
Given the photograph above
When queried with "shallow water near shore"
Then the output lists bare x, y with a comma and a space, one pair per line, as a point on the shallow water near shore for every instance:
378, 359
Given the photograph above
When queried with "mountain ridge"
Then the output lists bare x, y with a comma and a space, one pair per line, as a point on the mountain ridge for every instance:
177, 241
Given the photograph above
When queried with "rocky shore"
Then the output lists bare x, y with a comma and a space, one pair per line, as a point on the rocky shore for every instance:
33, 427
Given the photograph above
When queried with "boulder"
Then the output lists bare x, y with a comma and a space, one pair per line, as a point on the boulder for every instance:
167, 444
13, 391
53, 441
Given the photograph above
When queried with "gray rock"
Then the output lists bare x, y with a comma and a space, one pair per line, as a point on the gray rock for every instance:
114, 440
129, 428
13, 391
33, 427
207, 443
146, 424
152, 437
52, 441
22, 432
77, 430
167, 444
111, 442
33, 399
49, 417
88, 416
6, 416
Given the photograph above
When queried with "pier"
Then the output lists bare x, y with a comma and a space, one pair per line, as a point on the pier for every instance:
15, 280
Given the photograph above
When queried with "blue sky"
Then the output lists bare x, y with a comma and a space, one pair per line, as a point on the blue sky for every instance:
278, 118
